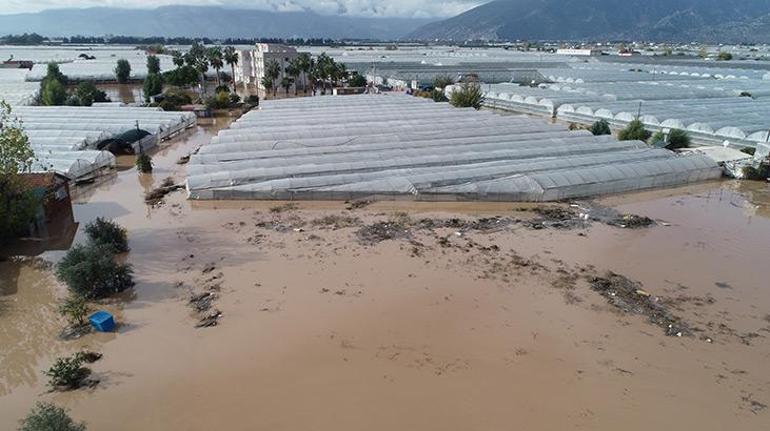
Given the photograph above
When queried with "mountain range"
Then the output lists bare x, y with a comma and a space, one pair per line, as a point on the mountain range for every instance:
204, 21
726, 21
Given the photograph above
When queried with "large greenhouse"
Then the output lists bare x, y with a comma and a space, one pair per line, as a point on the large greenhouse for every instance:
70, 140
401, 147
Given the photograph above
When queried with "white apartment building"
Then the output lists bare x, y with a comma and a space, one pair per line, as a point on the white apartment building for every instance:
252, 63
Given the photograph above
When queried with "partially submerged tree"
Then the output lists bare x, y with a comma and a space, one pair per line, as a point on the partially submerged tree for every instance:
153, 65
91, 271
17, 204
104, 231
635, 131
75, 309
468, 95
272, 72
49, 417
67, 373
601, 127
87, 94
231, 57
153, 86
123, 71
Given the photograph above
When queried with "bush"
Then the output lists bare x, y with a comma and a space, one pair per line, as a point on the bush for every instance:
656, 139
122, 71
144, 163
253, 99
173, 100
221, 89
357, 81
724, 56
87, 94
48, 417
220, 101
153, 85
635, 131
235, 99
678, 139
90, 270
601, 127
438, 95
103, 231
469, 95
67, 373
53, 93
74, 309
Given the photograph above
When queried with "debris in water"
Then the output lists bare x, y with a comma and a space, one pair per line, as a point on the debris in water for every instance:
628, 296
156, 196
210, 320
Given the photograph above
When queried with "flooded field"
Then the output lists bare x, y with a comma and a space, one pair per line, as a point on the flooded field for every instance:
399, 315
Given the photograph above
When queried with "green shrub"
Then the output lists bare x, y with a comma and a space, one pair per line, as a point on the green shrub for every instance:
74, 309
221, 89
174, 99
724, 56
122, 71
749, 150
601, 127
153, 65
90, 270
253, 99
438, 96
53, 93
357, 81
48, 417
678, 139
108, 232
144, 163
468, 95
153, 85
87, 94
67, 373
656, 139
182, 76
635, 131
220, 101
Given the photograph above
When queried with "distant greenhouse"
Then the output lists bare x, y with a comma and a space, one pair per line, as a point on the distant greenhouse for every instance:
401, 147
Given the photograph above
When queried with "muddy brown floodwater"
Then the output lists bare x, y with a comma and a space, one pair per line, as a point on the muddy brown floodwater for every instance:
448, 326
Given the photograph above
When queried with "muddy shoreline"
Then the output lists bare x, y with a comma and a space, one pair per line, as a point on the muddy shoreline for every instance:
410, 315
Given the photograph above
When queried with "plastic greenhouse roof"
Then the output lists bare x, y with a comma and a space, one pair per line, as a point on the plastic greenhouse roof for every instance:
525, 158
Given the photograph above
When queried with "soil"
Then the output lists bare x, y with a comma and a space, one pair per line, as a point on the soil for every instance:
408, 315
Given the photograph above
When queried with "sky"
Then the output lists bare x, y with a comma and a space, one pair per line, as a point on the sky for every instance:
368, 8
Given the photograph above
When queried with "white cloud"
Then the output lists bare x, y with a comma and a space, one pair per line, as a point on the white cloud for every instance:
369, 8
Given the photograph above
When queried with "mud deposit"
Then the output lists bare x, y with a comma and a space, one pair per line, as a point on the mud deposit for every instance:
386, 315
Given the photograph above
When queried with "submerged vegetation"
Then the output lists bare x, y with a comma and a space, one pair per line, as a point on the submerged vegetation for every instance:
49, 417
103, 231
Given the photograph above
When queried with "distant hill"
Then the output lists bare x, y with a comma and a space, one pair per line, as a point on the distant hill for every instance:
728, 21
213, 22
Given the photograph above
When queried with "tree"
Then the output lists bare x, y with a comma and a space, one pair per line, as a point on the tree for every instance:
357, 81
17, 204
104, 231
272, 71
48, 417
658, 139
177, 58
305, 64
123, 71
153, 85
90, 270
153, 65
286, 84
601, 127
231, 56
469, 95
87, 94
53, 93
267, 82
215, 59
293, 70
678, 138
635, 131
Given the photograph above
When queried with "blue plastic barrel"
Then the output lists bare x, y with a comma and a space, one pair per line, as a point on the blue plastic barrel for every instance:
102, 321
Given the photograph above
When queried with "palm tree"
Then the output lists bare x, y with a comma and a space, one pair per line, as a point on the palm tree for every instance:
305, 66
231, 58
214, 56
286, 84
177, 58
273, 71
293, 71
267, 82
